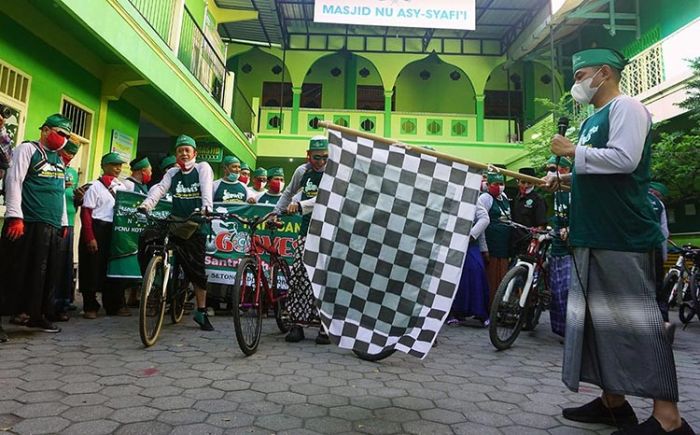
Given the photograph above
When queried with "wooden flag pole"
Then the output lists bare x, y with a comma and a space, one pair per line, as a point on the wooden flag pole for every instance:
470, 163
78, 139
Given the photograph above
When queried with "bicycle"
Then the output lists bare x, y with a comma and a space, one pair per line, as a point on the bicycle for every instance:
515, 306
251, 281
689, 297
164, 282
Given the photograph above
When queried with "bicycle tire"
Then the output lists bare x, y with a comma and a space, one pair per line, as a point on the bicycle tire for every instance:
247, 306
670, 287
152, 306
280, 269
179, 293
507, 315
686, 312
374, 357
533, 312
694, 288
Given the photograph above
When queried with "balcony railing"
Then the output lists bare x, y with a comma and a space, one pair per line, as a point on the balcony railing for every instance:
645, 71
192, 47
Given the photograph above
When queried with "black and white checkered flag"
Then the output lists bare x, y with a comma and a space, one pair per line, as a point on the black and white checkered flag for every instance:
386, 243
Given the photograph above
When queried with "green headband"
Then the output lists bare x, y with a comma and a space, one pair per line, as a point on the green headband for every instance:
59, 121
598, 56
260, 172
183, 140
167, 162
563, 162
318, 143
112, 159
495, 177
230, 160
71, 148
244, 166
275, 172
137, 165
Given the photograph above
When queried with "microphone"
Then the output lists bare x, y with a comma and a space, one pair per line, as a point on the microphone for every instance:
562, 126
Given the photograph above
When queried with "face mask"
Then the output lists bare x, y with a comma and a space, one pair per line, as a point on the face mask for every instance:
276, 186
146, 178
524, 190
495, 189
233, 176
259, 185
582, 91
552, 173
186, 165
243, 179
55, 141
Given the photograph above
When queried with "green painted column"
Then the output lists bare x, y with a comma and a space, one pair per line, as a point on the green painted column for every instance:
296, 104
479, 118
529, 92
351, 82
387, 112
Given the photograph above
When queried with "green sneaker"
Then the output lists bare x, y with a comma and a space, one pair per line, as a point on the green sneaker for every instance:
202, 320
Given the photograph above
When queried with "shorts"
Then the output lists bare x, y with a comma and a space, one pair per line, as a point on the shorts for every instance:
189, 254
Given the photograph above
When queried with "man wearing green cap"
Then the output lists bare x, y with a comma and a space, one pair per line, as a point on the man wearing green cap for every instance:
191, 186
275, 186
245, 173
301, 303
229, 188
141, 173
614, 329
498, 232
96, 216
560, 257
259, 183
35, 215
657, 192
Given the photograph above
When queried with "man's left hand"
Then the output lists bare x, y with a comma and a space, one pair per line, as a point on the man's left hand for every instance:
251, 200
562, 146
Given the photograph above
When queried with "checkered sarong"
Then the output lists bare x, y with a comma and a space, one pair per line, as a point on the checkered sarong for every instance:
387, 242
559, 283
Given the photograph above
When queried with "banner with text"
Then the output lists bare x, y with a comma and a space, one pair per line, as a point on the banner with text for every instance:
427, 14
229, 241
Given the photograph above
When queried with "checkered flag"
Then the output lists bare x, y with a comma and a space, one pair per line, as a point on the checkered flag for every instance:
386, 243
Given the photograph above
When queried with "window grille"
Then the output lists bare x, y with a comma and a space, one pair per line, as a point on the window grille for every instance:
644, 71
14, 84
82, 119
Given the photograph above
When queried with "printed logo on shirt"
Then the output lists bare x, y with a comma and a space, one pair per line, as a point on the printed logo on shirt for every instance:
50, 170
187, 192
586, 136
529, 203
310, 189
233, 196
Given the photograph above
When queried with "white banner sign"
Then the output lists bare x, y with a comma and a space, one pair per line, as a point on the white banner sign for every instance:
428, 14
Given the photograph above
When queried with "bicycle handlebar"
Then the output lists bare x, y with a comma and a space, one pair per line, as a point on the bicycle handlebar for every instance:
533, 230
251, 222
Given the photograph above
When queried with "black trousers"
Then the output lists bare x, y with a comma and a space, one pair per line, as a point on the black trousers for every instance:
92, 271
29, 269
64, 283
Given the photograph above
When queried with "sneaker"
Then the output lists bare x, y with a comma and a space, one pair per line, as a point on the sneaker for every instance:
596, 412
123, 312
3, 336
322, 338
43, 325
202, 319
653, 427
90, 315
452, 321
295, 334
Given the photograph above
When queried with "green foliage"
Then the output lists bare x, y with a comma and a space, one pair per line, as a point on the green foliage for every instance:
676, 155
538, 147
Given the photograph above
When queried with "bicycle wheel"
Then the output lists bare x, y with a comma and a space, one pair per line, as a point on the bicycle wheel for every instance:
670, 288
280, 285
533, 311
506, 314
152, 306
247, 307
686, 312
179, 288
374, 357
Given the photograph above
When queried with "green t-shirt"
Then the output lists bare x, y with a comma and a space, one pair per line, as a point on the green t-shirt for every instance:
72, 179
611, 211
498, 232
186, 193
230, 192
309, 189
43, 190
560, 220
268, 198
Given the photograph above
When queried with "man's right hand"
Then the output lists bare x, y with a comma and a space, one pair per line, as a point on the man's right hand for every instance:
293, 208
92, 246
15, 229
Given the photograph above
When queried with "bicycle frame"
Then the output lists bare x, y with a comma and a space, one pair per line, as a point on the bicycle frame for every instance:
532, 261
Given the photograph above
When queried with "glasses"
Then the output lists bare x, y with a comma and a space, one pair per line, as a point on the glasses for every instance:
318, 158
62, 134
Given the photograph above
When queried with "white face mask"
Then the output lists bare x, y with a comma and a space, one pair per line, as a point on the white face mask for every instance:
582, 91
501, 189
187, 165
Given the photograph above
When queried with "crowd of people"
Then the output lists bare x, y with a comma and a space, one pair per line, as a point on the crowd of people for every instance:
610, 221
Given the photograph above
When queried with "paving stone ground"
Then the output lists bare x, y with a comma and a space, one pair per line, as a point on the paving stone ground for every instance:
96, 378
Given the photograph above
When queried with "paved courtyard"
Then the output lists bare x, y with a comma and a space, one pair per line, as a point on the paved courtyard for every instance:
95, 378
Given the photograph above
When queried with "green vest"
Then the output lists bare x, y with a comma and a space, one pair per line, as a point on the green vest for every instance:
498, 233
186, 193
269, 199
612, 211
656, 206
138, 186
72, 177
560, 220
309, 189
43, 190
230, 192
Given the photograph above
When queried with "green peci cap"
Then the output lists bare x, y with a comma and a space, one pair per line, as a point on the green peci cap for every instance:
659, 187
230, 160
244, 166
59, 121
260, 172
112, 159
183, 140
138, 164
495, 177
71, 147
318, 143
598, 56
167, 162
563, 162
275, 172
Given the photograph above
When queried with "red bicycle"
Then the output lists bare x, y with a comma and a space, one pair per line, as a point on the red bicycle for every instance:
259, 281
